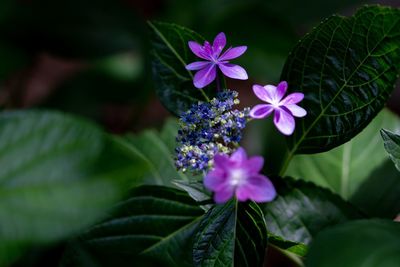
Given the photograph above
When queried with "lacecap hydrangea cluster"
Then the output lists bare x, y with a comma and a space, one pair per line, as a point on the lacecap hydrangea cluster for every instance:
209, 128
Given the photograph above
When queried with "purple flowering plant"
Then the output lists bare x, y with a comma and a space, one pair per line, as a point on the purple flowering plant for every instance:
243, 189
315, 108
303, 167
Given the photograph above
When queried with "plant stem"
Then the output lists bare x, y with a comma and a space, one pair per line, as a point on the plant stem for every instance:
218, 82
204, 94
286, 163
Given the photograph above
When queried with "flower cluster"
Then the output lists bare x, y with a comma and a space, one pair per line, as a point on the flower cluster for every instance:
208, 140
209, 128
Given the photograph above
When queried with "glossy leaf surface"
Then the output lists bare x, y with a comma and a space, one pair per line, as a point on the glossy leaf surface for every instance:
153, 226
233, 234
303, 209
347, 68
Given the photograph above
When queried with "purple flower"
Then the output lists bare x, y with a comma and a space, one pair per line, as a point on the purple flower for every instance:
207, 70
239, 175
284, 109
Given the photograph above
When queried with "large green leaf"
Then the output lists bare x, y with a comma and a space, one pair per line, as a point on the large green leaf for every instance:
392, 146
379, 194
366, 243
347, 68
233, 234
153, 226
345, 168
58, 175
170, 55
302, 209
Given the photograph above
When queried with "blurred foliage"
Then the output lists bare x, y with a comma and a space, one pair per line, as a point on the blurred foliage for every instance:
366, 243
59, 174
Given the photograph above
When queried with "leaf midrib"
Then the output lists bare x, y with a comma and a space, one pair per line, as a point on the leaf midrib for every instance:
168, 44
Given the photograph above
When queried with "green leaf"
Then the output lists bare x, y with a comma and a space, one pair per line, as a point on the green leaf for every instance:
379, 194
303, 209
344, 169
155, 149
347, 68
233, 234
297, 248
195, 189
170, 55
367, 243
154, 226
59, 174
392, 146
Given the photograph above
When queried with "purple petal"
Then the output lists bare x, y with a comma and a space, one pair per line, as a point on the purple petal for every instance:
261, 111
223, 195
215, 180
232, 53
233, 71
284, 121
198, 50
205, 76
258, 188
207, 48
254, 164
219, 43
239, 155
292, 99
197, 65
221, 160
281, 89
243, 193
273, 93
262, 93
296, 110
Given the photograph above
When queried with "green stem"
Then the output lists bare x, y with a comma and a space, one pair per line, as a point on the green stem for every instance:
285, 165
204, 94
218, 81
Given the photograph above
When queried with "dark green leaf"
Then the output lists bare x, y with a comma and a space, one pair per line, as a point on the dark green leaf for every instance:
297, 248
154, 226
392, 146
347, 68
303, 209
233, 234
379, 194
195, 189
366, 243
170, 55
346, 167
59, 174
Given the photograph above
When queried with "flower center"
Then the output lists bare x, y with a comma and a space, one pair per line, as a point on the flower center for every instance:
237, 177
